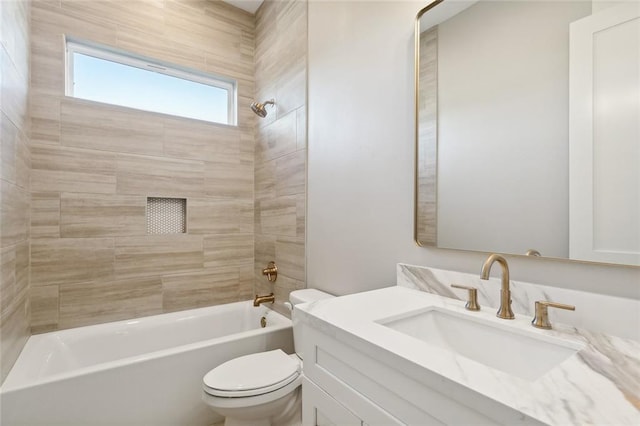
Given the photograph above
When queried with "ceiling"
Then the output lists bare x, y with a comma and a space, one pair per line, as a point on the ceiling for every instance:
249, 5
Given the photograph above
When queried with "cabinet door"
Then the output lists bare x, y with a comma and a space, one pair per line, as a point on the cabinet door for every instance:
320, 409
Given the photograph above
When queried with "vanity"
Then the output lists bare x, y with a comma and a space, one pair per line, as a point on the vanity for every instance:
403, 356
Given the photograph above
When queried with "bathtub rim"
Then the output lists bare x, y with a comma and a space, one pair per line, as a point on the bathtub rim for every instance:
282, 323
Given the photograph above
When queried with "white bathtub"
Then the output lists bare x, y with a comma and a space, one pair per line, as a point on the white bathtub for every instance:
146, 371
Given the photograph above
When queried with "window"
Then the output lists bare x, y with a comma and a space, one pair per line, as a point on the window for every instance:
106, 75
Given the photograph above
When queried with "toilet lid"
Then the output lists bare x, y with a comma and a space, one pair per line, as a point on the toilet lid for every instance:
252, 374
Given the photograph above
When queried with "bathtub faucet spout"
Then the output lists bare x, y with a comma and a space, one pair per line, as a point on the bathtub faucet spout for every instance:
263, 299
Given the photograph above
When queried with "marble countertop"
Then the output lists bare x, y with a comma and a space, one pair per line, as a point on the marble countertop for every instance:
599, 384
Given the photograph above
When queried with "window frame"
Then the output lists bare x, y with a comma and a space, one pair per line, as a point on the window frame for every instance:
73, 45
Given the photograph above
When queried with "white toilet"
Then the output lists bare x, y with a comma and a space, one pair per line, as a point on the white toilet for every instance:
261, 389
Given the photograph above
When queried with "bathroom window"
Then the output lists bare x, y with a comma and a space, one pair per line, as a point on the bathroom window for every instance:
102, 74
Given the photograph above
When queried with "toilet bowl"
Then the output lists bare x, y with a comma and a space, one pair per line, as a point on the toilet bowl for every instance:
261, 389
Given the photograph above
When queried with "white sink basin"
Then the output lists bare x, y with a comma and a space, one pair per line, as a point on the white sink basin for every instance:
502, 347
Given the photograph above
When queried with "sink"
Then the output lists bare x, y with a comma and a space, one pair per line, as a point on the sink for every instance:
500, 346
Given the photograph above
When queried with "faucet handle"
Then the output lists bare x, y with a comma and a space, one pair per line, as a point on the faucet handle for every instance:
271, 271
472, 301
541, 318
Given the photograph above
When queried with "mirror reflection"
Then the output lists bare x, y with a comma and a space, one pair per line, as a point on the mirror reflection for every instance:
528, 134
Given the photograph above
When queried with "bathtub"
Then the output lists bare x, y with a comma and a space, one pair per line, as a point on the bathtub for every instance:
146, 371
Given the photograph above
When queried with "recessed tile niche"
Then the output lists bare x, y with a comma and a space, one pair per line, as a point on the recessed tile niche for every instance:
166, 215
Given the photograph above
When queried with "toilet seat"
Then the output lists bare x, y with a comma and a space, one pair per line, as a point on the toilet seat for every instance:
252, 375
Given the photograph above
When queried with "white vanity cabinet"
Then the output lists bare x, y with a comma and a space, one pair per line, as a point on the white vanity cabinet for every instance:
321, 409
326, 398
346, 386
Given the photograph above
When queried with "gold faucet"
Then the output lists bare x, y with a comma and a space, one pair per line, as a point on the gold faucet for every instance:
504, 311
270, 298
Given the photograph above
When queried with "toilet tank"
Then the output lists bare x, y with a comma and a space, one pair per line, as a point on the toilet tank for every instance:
303, 296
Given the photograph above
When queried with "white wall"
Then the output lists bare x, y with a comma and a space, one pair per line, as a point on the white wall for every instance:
360, 164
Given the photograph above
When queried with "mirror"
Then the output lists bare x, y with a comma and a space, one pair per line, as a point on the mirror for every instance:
527, 128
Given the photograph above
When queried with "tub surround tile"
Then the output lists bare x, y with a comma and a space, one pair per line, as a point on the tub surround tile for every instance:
156, 255
265, 181
91, 125
147, 42
277, 217
159, 176
14, 18
98, 302
123, 13
199, 140
95, 215
292, 86
71, 260
7, 273
49, 19
62, 169
291, 174
45, 215
50, 61
14, 328
15, 163
292, 18
14, 303
210, 216
14, 210
15, 285
8, 149
247, 148
214, 287
192, 27
278, 138
245, 284
23, 163
21, 268
227, 250
290, 257
44, 118
594, 312
228, 180
14, 93
44, 308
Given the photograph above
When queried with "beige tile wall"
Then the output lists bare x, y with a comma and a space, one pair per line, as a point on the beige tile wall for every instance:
15, 159
280, 156
94, 165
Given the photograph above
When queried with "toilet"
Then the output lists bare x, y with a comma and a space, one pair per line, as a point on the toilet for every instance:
261, 389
